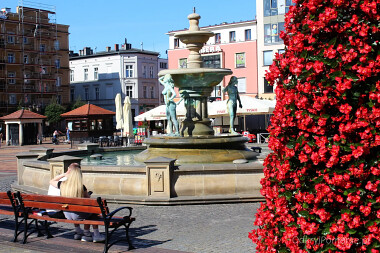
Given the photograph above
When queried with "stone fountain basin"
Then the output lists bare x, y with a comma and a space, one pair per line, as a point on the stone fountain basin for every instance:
189, 37
196, 78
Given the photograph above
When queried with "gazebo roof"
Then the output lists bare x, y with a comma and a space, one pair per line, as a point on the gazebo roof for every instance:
86, 110
23, 114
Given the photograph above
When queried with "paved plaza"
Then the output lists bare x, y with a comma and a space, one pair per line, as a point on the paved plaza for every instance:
188, 228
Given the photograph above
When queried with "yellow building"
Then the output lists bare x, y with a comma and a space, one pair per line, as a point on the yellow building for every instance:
34, 59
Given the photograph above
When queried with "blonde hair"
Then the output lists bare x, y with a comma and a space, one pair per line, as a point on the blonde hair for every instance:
73, 186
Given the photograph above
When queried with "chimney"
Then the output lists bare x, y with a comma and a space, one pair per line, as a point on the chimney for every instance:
108, 49
87, 51
116, 47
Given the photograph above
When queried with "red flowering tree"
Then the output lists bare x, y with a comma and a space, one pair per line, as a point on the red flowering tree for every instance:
322, 181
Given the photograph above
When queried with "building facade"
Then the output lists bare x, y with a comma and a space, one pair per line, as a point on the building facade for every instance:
233, 46
97, 78
270, 23
34, 59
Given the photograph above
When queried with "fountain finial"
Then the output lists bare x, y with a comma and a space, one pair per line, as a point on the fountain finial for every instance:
194, 21
193, 9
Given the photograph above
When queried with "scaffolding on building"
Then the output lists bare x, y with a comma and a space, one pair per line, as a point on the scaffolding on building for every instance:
29, 60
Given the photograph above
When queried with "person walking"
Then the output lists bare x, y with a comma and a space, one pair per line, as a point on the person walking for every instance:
73, 187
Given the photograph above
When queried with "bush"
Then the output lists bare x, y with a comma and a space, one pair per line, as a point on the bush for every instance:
322, 181
53, 112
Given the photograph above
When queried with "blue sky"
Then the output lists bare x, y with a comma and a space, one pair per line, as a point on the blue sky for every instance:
97, 23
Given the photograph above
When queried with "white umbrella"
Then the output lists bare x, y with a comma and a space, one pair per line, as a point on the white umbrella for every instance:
127, 117
251, 106
119, 112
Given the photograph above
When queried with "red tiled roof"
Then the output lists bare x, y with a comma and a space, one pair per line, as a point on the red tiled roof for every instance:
23, 114
88, 109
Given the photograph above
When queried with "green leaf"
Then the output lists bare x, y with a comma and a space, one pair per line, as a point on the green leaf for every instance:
352, 76
318, 179
352, 231
290, 145
336, 74
332, 41
288, 195
326, 231
304, 214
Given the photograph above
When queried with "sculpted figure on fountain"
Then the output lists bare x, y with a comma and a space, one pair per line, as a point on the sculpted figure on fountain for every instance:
169, 95
233, 97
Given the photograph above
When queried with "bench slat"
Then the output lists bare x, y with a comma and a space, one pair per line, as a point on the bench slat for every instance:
62, 206
99, 221
58, 199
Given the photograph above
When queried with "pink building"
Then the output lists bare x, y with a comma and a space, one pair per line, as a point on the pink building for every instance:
233, 46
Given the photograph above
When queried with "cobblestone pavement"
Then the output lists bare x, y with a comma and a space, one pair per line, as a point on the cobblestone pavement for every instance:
188, 228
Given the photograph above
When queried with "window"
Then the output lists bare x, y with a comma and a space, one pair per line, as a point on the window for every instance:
97, 93
242, 85
144, 71
144, 92
240, 60
151, 92
26, 59
85, 74
71, 75
217, 38
86, 94
72, 94
232, 36
42, 47
96, 75
11, 39
128, 71
11, 77
211, 61
11, 58
163, 65
182, 63
268, 58
56, 45
247, 34
25, 40
58, 82
176, 43
270, 8
59, 99
57, 63
151, 71
12, 99
272, 32
267, 87
128, 91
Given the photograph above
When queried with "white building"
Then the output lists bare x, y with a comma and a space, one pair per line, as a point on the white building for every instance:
270, 22
98, 77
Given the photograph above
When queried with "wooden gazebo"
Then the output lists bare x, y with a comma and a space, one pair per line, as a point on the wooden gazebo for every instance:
89, 121
23, 127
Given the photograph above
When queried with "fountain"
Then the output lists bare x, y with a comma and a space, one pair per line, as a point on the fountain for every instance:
197, 143
194, 168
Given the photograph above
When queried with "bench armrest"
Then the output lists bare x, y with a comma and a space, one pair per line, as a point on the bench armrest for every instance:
111, 214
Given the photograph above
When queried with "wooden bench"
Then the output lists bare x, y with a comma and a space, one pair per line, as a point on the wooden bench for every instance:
10, 206
102, 216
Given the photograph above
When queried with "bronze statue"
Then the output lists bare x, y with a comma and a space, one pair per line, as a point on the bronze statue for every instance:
233, 96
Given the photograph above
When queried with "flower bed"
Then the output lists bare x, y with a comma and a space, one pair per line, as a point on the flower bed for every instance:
322, 180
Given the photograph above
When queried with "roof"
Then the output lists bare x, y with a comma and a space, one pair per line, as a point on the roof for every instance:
217, 25
23, 114
114, 52
86, 110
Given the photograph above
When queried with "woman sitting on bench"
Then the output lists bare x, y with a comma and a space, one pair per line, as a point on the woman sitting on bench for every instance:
73, 187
